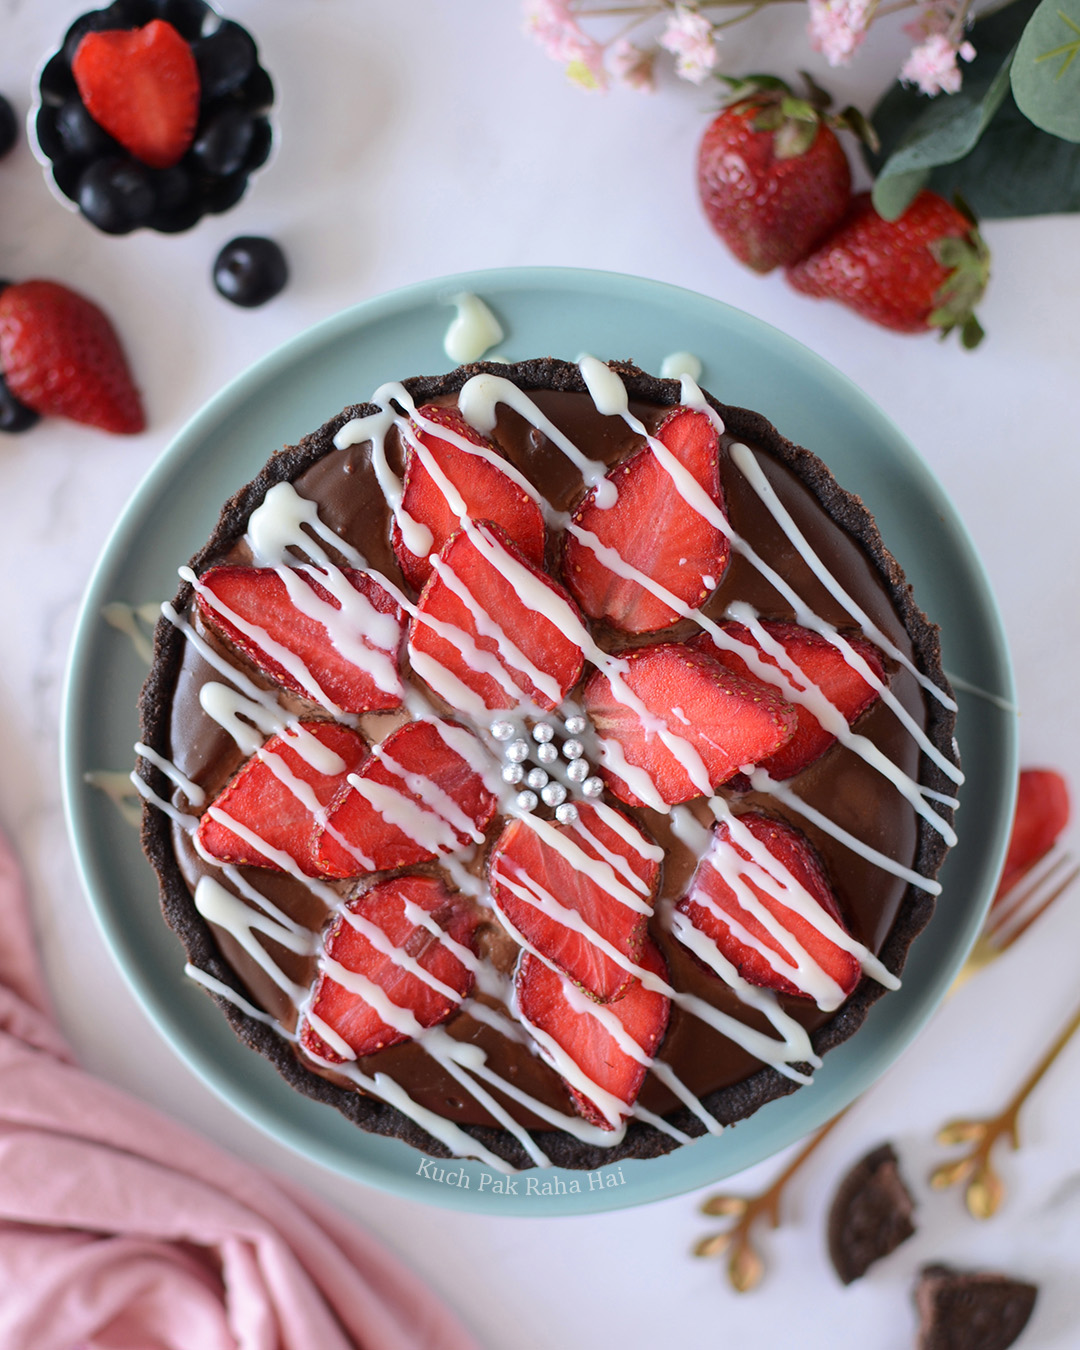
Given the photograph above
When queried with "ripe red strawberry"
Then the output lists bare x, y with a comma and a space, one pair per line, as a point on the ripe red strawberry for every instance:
506, 641
61, 357
553, 1007
714, 908
694, 710
259, 800
824, 665
417, 796
772, 184
654, 529
928, 269
295, 649
488, 493
142, 86
1042, 812
342, 1010
594, 870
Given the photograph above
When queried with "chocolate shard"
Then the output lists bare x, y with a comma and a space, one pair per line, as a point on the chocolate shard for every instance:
870, 1214
971, 1310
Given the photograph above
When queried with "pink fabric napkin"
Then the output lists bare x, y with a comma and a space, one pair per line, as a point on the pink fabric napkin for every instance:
122, 1230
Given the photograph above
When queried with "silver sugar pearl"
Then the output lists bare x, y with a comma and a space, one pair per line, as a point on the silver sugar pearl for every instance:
543, 732
573, 749
517, 751
577, 770
502, 731
512, 773
576, 725
546, 753
566, 815
526, 801
553, 795
593, 787
537, 779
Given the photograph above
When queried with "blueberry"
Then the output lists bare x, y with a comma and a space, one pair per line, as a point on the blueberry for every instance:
116, 195
250, 270
172, 187
78, 133
222, 194
186, 16
57, 82
261, 142
9, 127
257, 93
47, 131
223, 142
225, 59
95, 21
14, 416
178, 205
129, 14
66, 174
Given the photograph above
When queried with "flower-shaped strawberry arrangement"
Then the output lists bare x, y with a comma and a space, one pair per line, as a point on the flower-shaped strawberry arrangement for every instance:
522, 703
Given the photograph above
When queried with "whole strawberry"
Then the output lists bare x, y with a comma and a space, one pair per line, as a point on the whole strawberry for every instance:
772, 176
61, 357
928, 269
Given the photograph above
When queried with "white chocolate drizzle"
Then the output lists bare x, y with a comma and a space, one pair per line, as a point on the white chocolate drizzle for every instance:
473, 331
286, 529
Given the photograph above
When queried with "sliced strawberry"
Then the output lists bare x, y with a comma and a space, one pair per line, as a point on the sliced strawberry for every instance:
347, 663
415, 797
608, 1077
686, 722
654, 529
338, 1005
591, 868
715, 908
142, 86
508, 641
487, 492
1042, 812
271, 796
823, 665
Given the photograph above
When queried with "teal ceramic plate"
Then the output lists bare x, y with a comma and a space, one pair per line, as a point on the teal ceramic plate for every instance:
544, 312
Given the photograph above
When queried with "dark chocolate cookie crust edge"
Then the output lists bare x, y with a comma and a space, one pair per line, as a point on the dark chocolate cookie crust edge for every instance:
728, 1105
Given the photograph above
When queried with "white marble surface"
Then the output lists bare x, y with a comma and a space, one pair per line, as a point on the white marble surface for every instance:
423, 138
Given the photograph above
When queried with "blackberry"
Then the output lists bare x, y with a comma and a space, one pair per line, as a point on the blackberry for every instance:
250, 270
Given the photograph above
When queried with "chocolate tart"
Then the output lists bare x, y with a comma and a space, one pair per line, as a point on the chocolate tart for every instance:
711, 1079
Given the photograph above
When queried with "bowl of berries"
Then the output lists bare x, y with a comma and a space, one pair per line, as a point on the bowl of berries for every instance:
152, 114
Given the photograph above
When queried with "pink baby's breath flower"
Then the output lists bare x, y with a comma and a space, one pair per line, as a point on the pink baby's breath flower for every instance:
553, 25
932, 64
690, 37
936, 17
632, 66
837, 28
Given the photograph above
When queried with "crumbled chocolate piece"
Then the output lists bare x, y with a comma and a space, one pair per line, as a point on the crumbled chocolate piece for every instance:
870, 1215
971, 1310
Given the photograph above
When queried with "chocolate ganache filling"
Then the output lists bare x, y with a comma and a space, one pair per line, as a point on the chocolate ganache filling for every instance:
874, 807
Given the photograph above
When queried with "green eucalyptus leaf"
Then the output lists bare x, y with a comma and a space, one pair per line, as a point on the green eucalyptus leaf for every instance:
947, 129
1014, 169
1046, 73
